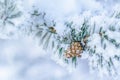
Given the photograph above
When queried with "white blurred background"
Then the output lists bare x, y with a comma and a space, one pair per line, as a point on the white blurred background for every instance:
23, 59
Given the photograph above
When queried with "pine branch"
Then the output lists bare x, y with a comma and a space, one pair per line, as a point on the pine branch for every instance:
74, 42
8, 12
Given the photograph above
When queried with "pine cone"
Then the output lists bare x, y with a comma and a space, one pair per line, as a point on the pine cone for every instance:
74, 50
52, 29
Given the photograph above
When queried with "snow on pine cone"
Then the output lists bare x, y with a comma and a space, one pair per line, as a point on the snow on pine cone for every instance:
74, 50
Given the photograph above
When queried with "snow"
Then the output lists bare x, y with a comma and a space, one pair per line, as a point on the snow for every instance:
23, 59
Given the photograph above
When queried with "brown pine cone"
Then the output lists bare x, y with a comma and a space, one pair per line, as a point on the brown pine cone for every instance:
72, 47
80, 48
76, 48
73, 51
76, 43
52, 29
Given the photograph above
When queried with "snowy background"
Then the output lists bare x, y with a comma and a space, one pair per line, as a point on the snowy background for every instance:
23, 58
